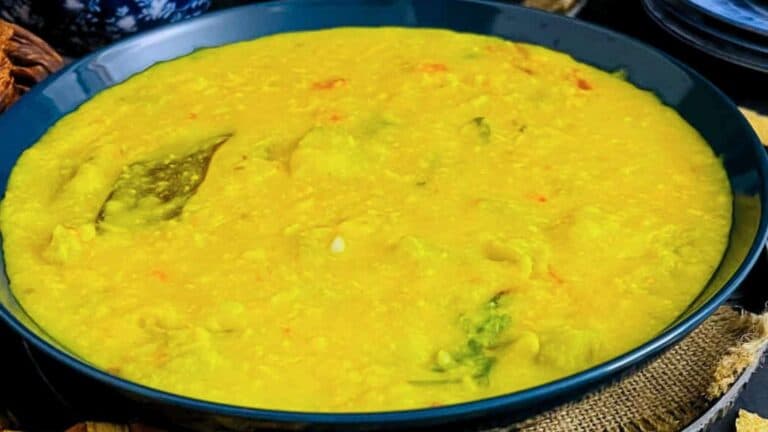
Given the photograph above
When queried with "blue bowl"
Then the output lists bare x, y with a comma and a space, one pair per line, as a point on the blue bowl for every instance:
76, 27
701, 104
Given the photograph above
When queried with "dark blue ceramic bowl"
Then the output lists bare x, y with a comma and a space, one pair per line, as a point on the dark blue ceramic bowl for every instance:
702, 105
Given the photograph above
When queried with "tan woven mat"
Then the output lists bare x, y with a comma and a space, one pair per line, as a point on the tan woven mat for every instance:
673, 390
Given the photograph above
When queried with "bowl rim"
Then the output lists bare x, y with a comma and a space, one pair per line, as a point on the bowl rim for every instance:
549, 390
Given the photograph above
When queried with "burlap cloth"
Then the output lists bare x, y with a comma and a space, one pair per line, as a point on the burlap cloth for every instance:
674, 389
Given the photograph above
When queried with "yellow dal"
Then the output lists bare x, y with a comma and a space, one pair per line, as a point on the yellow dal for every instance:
401, 218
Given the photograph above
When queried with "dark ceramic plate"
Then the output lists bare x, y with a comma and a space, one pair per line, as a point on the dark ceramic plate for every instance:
713, 40
702, 105
717, 30
749, 15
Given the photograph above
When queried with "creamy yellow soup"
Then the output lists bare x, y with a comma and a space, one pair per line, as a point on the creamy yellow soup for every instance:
363, 219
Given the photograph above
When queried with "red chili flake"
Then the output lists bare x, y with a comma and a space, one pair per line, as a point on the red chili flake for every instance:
555, 276
525, 69
329, 84
335, 117
192, 116
541, 199
432, 67
161, 357
160, 275
583, 84
329, 116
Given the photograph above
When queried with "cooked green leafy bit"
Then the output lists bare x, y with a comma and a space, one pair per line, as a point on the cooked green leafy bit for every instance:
620, 74
483, 127
475, 359
477, 130
156, 190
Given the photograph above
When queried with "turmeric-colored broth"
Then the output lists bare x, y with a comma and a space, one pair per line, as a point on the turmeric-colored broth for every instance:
363, 219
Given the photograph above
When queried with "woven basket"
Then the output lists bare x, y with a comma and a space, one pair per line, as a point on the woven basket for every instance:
25, 60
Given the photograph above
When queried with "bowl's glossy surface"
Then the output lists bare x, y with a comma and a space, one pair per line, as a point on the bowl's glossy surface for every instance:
708, 110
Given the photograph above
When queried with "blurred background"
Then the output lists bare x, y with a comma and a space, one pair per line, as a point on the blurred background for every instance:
723, 39
76, 27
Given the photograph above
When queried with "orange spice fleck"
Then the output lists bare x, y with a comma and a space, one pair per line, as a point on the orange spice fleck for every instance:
559, 280
329, 116
160, 275
432, 67
474, 202
527, 70
329, 84
335, 117
583, 84
161, 357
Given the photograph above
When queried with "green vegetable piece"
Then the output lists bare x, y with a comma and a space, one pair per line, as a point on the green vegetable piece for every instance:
483, 128
476, 131
474, 359
621, 74
156, 190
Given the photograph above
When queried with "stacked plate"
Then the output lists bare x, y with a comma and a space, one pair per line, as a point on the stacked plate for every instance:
734, 30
